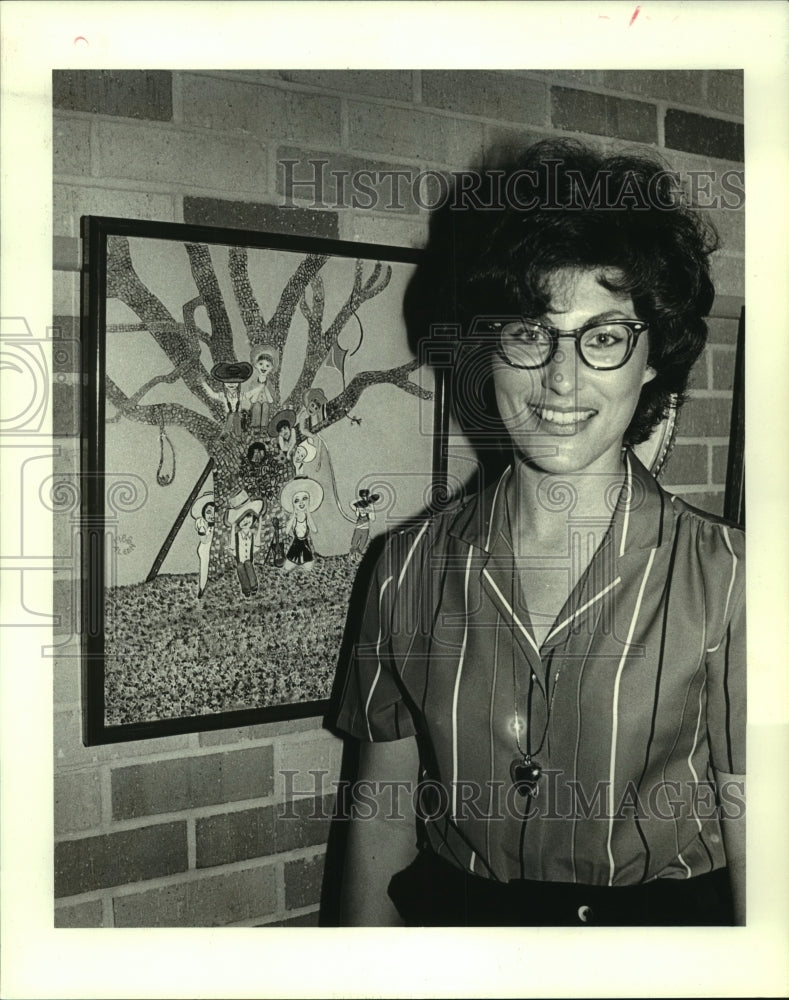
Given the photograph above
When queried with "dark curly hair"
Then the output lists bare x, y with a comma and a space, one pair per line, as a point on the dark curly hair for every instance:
563, 204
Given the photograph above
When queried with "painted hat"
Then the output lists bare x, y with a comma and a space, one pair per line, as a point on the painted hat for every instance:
200, 502
289, 415
265, 349
310, 451
231, 372
301, 484
240, 504
314, 395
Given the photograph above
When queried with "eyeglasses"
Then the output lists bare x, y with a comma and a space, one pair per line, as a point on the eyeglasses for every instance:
602, 346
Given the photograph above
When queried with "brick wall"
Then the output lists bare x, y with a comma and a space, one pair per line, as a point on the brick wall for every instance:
189, 830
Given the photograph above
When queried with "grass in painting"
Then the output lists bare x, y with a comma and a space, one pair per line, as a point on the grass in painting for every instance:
170, 654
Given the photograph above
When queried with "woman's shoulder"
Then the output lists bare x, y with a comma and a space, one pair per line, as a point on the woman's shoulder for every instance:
711, 533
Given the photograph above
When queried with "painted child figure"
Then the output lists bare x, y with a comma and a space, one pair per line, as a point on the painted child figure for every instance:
364, 509
257, 397
243, 517
204, 515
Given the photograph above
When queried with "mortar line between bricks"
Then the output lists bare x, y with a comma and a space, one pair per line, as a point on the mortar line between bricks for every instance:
305, 89
193, 749
159, 819
193, 875
207, 811
152, 884
705, 111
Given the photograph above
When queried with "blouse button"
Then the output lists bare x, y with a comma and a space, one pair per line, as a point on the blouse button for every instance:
585, 914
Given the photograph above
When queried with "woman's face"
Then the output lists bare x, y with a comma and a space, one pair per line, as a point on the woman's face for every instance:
567, 417
264, 365
209, 513
300, 501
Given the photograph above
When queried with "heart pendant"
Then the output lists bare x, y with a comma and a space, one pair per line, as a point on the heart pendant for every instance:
525, 774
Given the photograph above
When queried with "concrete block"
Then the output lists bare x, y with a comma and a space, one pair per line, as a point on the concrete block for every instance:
434, 138
71, 752
303, 881
597, 114
260, 218
322, 754
70, 146
144, 94
66, 670
722, 330
202, 902
680, 86
407, 232
263, 112
725, 90
705, 417
723, 368
77, 801
185, 159
71, 203
234, 836
687, 464
710, 501
503, 96
720, 462
65, 293
79, 915
303, 823
190, 782
335, 180
706, 136
730, 226
118, 858
728, 274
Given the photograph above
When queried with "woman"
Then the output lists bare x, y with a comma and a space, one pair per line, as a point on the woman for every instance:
559, 659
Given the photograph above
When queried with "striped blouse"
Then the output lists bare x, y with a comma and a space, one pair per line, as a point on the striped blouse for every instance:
635, 696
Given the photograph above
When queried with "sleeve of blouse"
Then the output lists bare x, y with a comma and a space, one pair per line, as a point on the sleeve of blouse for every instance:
726, 661
371, 705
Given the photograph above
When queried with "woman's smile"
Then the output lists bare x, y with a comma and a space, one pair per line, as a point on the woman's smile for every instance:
567, 417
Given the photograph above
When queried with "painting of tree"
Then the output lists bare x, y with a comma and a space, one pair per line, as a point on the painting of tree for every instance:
180, 336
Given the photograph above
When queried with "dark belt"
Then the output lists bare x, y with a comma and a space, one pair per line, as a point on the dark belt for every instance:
432, 892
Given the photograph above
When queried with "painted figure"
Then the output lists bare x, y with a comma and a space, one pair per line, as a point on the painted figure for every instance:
204, 514
303, 453
257, 396
313, 414
256, 452
243, 517
300, 498
282, 429
231, 374
364, 508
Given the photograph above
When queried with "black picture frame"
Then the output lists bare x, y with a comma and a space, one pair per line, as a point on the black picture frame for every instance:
147, 369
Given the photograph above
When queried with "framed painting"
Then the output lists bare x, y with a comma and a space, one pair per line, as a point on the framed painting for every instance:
254, 418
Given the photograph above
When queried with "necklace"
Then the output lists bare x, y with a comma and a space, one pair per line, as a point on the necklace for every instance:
525, 771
